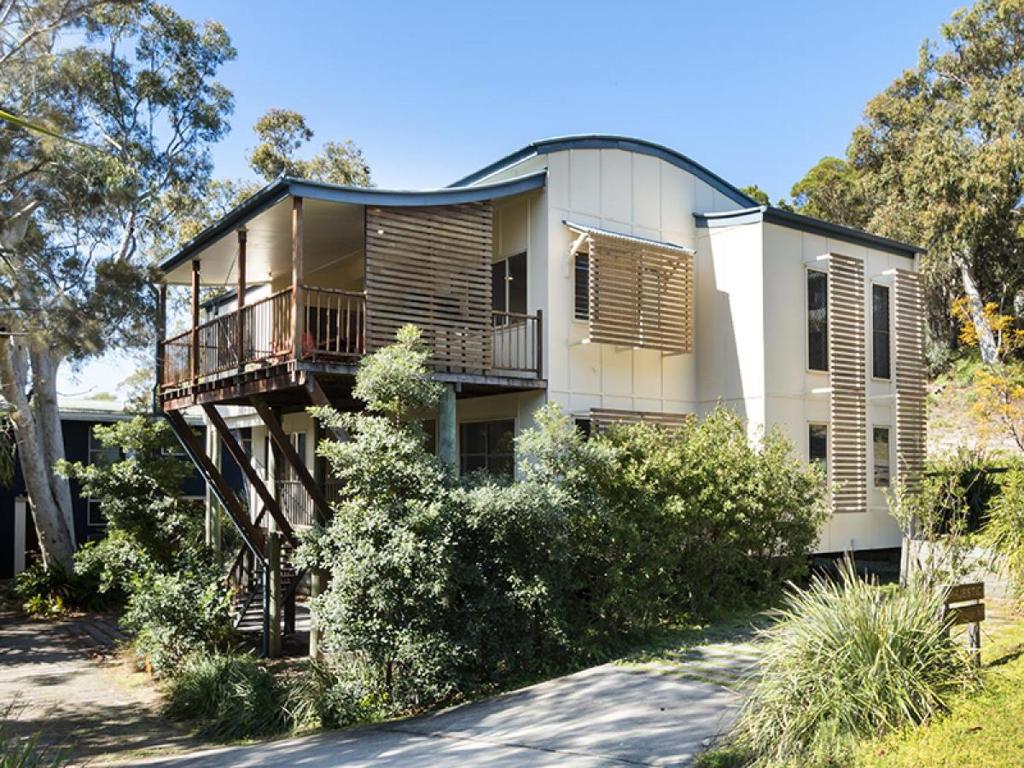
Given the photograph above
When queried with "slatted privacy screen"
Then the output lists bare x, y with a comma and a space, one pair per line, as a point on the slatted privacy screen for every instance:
847, 450
432, 267
911, 386
604, 417
641, 294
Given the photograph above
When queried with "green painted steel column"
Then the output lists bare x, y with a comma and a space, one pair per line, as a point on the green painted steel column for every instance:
446, 426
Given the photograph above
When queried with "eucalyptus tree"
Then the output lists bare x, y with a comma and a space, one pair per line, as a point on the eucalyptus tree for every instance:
941, 156
129, 96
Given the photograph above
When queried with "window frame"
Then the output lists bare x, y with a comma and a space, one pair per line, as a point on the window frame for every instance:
487, 453
808, 268
889, 328
508, 279
810, 459
888, 458
90, 522
96, 448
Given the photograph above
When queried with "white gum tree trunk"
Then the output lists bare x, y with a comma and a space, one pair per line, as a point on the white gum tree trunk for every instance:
40, 443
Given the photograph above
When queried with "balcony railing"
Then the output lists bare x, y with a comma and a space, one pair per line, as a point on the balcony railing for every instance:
297, 506
333, 330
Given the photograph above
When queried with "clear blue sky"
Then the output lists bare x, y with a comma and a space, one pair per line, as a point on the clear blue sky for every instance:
757, 92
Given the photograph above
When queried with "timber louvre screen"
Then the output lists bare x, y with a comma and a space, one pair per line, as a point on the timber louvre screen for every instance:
847, 435
910, 378
432, 267
640, 293
604, 417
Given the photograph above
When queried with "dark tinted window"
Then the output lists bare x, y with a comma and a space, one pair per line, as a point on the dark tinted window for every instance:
498, 293
881, 366
488, 445
817, 444
817, 320
581, 304
880, 448
517, 283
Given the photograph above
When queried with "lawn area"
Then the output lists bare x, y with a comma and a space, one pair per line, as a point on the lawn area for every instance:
981, 731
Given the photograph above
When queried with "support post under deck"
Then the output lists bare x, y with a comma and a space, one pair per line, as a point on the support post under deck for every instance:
446, 427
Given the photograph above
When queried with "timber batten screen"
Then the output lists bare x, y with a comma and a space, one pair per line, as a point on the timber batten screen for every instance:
848, 404
605, 417
640, 291
911, 387
432, 267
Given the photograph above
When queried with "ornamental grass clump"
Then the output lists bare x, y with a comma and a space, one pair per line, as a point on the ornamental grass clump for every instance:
848, 660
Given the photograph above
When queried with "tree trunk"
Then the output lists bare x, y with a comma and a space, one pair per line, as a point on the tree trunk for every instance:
986, 339
56, 537
47, 411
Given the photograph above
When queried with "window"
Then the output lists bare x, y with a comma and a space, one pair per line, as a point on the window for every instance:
882, 456
94, 515
881, 366
99, 453
508, 285
430, 436
487, 445
585, 427
817, 320
817, 444
581, 288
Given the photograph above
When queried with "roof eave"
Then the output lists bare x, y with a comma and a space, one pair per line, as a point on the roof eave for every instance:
784, 218
284, 187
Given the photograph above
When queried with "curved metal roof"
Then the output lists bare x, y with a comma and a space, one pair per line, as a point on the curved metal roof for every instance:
285, 186
609, 141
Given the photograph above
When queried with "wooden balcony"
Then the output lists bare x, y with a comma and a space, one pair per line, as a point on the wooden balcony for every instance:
332, 335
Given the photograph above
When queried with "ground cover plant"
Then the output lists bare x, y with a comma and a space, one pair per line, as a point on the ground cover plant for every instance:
847, 660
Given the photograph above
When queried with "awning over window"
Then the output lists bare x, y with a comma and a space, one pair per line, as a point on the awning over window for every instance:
604, 417
640, 292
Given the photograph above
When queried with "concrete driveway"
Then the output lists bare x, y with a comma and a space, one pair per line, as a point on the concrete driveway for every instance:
606, 716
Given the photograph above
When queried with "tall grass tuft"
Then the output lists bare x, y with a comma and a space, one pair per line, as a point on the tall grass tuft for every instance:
848, 660
231, 695
26, 752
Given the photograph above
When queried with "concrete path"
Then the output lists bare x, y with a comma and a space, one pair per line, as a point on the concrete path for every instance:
64, 686
612, 715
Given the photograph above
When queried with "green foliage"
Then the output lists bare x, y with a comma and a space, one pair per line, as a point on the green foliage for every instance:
53, 591
758, 194
327, 694
282, 132
1004, 532
231, 695
846, 661
177, 613
141, 495
396, 381
441, 588
833, 190
941, 155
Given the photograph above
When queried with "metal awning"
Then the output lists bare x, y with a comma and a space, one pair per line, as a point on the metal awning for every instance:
580, 229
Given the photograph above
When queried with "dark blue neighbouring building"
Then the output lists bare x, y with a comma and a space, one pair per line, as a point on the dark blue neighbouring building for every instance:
18, 543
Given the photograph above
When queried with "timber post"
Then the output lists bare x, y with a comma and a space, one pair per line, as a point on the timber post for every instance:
241, 299
297, 278
446, 427
195, 322
161, 333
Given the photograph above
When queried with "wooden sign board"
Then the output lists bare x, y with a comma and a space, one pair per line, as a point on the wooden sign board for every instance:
966, 614
964, 593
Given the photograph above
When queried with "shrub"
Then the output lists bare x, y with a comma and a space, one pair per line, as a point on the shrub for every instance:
442, 587
1005, 530
848, 660
51, 592
327, 694
179, 613
231, 695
